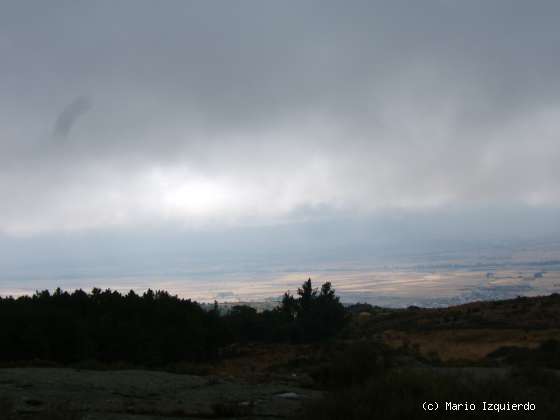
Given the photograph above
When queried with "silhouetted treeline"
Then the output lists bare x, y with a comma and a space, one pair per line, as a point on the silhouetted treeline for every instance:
310, 316
154, 328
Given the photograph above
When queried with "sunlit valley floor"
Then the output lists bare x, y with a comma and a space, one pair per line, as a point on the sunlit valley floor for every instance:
429, 279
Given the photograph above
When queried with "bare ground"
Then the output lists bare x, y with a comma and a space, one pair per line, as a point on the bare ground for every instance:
143, 395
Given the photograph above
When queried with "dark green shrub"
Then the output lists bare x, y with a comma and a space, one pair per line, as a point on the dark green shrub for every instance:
353, 364
399, 394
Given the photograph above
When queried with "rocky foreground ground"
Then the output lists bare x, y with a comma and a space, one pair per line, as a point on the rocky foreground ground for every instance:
142, 395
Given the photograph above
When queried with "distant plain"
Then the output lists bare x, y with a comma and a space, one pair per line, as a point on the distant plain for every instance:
435, 278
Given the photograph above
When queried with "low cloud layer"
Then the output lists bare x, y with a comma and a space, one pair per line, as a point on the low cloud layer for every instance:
257, 113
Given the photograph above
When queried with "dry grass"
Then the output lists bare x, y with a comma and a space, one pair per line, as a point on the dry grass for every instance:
468, 344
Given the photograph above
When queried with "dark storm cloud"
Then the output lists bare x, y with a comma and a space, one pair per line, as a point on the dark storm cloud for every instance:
249, 111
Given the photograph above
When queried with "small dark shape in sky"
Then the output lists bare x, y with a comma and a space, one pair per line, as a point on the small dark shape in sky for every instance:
69, 115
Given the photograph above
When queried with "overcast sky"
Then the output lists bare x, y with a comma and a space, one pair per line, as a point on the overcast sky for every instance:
194, 116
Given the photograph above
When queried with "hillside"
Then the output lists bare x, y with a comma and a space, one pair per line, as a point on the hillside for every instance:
503, 350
